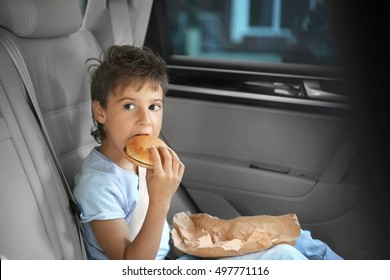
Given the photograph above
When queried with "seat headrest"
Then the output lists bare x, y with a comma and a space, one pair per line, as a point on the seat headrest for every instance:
40, 18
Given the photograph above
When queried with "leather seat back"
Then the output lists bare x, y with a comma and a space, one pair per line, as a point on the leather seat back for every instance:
36, 221
55, 48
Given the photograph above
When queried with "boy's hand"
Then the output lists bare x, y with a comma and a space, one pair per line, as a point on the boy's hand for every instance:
166, 176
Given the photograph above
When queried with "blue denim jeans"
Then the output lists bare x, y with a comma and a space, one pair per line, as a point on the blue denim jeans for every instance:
306, 248
314, 249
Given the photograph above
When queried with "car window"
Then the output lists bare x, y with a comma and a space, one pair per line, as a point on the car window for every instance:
276, 31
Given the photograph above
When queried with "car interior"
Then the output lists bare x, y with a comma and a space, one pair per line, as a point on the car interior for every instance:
255, 138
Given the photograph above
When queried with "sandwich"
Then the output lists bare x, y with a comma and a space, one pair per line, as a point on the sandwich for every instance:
137, 149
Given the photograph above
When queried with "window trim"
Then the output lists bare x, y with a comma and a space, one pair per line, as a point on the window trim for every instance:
277, 69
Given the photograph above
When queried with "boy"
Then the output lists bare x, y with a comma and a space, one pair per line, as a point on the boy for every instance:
120, 219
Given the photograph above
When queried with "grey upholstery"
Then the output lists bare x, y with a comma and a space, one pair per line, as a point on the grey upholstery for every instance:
38, 220
40, 18
56, 62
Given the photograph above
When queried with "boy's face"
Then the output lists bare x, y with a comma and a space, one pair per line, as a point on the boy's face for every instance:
128, 114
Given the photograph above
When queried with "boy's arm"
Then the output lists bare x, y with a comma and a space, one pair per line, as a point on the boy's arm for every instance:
113, 237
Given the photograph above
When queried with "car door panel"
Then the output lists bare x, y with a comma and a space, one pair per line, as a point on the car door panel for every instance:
297, 141
219, 142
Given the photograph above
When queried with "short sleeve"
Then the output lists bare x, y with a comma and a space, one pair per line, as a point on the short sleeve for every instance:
100, 198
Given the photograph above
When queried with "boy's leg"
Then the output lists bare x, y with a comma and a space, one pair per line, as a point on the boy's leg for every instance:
277, 252
314, 249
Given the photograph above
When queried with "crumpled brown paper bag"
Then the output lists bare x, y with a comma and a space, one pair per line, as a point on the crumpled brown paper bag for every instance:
206, 236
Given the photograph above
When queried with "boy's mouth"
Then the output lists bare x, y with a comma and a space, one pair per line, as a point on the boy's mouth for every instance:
141, 134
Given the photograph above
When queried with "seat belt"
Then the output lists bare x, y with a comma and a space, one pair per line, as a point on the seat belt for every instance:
119, 15
9, 43
125, 30
137, 218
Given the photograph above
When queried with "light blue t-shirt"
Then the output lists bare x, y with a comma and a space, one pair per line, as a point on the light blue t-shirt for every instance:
105, 191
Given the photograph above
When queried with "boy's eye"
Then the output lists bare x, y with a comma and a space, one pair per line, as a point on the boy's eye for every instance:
155, 107
129, 106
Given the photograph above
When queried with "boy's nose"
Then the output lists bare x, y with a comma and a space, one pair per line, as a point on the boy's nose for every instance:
144, 118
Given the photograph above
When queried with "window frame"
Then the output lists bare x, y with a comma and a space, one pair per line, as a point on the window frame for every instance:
158, 39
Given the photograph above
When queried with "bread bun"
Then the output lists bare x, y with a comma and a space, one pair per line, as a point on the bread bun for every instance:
137, 149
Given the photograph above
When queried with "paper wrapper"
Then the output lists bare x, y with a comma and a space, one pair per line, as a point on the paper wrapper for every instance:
206, 236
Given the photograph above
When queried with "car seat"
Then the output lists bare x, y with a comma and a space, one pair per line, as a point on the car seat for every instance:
36, 218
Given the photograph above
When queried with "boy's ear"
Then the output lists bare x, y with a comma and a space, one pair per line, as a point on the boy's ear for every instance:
98, 112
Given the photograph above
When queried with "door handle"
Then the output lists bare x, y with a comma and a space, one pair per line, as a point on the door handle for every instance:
314, 91
276, 88
269, 167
